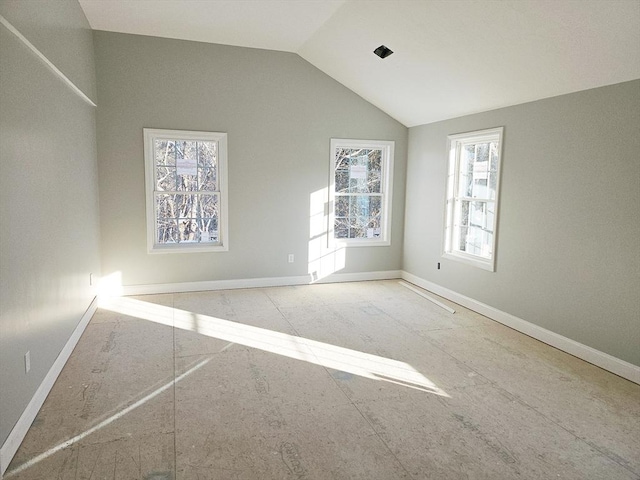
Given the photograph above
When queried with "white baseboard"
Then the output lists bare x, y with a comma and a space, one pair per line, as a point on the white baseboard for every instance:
361, 277
255, 283
15, 438
603, 360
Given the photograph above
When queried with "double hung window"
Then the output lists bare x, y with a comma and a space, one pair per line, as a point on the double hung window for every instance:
186, 175
473, 182
360, 191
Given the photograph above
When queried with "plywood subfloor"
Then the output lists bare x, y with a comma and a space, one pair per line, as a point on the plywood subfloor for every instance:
340, 381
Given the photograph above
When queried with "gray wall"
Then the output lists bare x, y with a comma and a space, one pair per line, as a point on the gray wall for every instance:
49, 225
61, 32
567, 246
280, 113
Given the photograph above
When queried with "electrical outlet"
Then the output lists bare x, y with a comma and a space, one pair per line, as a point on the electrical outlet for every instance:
438, 265
91, 279
291, 258
27, 362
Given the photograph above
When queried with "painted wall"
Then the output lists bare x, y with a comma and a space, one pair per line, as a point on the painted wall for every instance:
567, 244
280, 113
49, 226
61, 32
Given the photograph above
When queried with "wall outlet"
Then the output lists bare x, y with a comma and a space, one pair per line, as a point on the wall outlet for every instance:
91, 279
290, 258
27, 362
438, 265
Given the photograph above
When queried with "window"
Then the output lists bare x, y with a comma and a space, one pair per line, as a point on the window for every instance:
473, 181
186, 183
360, 190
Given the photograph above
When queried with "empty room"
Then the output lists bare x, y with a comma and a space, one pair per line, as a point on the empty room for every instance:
319, 239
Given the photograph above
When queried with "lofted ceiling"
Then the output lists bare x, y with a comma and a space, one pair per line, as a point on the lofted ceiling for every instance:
451, 57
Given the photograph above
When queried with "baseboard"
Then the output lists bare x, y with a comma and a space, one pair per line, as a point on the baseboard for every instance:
361, 277
13, 441
255, 283
603, 360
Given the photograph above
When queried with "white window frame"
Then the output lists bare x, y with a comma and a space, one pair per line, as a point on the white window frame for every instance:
150, 136
386, 187
454, 147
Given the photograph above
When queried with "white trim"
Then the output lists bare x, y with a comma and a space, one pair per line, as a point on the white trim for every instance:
17, 434
150, 135
46, 61
603, 360
255, 283
386, 192
361, 276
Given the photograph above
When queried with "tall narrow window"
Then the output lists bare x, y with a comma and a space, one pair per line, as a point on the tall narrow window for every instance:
360, 190
186, 179
473, 182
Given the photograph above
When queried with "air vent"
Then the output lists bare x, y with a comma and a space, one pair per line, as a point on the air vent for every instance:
382, 51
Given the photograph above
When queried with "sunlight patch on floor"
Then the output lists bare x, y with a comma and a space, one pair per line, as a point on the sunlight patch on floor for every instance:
344, 359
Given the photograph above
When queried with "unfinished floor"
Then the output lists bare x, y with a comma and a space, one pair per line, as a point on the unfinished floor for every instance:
339, 381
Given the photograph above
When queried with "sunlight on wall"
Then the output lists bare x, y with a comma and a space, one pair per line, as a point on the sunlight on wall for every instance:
110, 285
318, 353
323, 259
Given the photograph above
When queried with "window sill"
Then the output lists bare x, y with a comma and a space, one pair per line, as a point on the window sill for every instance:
343, 243
182, 248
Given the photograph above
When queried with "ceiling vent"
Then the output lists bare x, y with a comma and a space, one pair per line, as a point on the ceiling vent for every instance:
382, 51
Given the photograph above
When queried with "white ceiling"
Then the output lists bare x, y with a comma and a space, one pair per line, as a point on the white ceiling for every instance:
451, 57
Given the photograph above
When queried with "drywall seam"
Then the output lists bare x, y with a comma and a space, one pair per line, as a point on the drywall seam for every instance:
603, 360
17, 434
46, 61
255, 283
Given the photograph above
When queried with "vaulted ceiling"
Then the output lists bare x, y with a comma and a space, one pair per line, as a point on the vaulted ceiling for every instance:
451, 57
